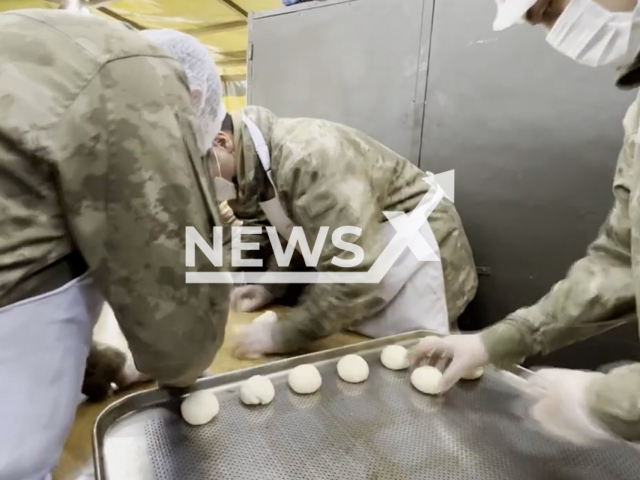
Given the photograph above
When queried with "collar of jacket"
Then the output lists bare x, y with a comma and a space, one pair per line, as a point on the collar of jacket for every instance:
630, 76
246, 205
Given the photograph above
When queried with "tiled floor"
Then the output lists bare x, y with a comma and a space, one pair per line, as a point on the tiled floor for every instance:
76, 460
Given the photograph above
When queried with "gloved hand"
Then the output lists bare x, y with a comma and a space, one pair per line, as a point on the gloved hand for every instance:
249, 298
253, 340
466, 352
559, 405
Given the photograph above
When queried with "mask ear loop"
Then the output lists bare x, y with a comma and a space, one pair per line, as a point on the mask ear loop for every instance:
243, 280
215, 155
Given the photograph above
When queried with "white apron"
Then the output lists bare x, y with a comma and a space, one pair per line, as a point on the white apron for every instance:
44, 344
413, 291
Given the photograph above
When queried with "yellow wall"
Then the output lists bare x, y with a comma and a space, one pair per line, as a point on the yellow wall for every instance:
181, 15
234, 104
234, 94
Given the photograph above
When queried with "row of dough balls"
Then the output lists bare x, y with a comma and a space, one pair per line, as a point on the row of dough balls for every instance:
200, 407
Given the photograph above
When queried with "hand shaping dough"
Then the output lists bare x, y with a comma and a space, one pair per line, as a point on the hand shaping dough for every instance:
353, 369
426, 379
305, 379
474, 374
395, 357
258, 390
266, 317
200, 407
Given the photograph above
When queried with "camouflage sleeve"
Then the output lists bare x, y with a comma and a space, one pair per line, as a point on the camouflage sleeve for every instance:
131, 182
328, 196
297, 264
252, 254
265, 254
597, 290
613, 399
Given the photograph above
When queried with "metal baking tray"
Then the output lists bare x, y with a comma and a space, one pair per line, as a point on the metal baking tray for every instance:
380, 429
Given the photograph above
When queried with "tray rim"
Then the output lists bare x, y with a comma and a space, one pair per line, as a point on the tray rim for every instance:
147, 398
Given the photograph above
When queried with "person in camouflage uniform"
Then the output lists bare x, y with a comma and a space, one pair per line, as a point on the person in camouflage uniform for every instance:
600, 290
327, 174
100, 173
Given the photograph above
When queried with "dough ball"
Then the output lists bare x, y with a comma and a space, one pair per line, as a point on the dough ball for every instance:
267, 317
305, 379
474, 374
395, 357
258, 390
200, 407
426, 379
353, 369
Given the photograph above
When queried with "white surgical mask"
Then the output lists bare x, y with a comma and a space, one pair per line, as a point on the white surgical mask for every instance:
592, 35
225, 190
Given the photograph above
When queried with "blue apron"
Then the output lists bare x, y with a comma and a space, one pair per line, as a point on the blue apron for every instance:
44, 344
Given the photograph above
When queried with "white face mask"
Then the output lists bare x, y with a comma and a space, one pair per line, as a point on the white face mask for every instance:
225, 190
592, 35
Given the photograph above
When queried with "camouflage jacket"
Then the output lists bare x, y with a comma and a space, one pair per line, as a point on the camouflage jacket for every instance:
328, 174
599, 290
97, 155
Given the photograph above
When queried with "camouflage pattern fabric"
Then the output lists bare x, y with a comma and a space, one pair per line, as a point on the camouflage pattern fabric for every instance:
599, 292
98, 154
331, 175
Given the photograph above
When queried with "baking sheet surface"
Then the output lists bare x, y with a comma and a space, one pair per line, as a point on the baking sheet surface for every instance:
380, 429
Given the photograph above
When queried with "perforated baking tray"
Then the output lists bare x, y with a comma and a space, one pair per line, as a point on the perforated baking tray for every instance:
380, 429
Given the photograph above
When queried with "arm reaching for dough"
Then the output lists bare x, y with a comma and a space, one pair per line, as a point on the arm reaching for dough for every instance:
598, 290
331, 199
128, 209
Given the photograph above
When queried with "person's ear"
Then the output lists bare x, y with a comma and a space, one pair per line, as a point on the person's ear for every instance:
224, 141
196, 96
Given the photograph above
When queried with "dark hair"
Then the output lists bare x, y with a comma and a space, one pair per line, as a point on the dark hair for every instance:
227, 124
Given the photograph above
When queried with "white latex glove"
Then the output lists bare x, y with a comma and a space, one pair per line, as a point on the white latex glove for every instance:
253, 340
249, 298
559, 405
466, 352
